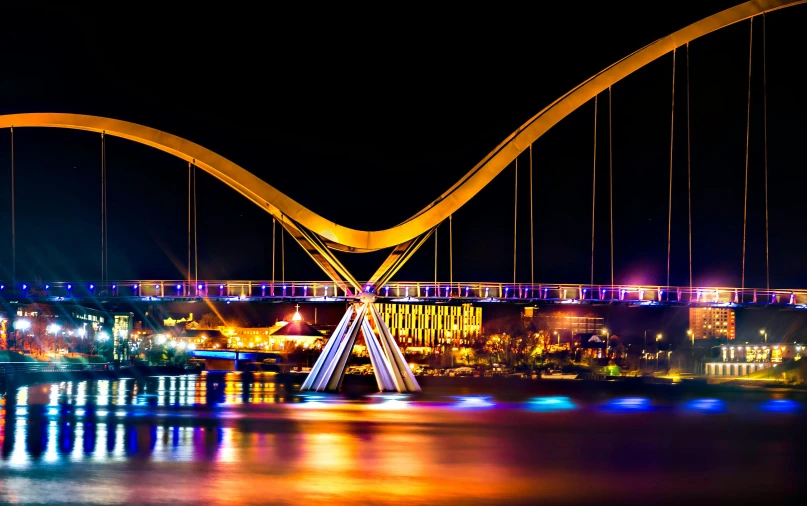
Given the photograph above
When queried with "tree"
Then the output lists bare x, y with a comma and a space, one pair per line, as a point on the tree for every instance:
157, 355
210, 321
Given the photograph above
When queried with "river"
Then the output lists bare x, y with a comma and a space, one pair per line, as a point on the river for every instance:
247, 439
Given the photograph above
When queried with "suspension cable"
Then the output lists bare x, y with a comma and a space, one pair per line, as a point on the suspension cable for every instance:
190, 205
593, 189
611, 182
436, 286
282, 255
532, 229
103, 204
765, 127
274, 256
689, 178
747, 135
669, 200
515, 222
195, 234
13, 220
450, 251
106, 219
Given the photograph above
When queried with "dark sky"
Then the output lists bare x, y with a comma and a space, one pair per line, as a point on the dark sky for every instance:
366, 116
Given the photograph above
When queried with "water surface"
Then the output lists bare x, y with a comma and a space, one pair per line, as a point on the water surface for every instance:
244, 439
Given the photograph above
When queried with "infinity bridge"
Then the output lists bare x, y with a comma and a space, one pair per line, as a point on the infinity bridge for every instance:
320, 238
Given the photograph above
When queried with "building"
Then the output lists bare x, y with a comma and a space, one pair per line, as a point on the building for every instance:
296, 332
565, 327
742, 360
712, 323
119, 325
421, 326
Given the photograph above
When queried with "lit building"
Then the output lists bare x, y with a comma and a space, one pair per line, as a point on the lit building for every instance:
118, 324
298, 332
712, 322
565, 326
274, 338
185, 322
428, 326
742, 360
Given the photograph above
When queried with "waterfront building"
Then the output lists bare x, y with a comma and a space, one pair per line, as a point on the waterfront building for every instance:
297, 332
712, 322
563, 326
748, 358
421, 327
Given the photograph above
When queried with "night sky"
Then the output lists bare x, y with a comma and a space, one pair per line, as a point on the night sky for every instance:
365, 117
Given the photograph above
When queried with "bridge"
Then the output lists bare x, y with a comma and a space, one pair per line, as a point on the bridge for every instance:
322, 239
400, 291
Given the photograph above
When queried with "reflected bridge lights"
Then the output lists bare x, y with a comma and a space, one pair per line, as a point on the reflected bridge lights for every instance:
628, 405
550, 404
706, 406
390, 401
473, 402
780, 406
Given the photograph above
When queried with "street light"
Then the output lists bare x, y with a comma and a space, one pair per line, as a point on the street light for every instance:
764, 334
605, 332
658, 337
22, 325
53, 328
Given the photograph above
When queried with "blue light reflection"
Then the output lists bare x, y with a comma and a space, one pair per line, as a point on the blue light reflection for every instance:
706, 405
549, 404
628, 405
780, 406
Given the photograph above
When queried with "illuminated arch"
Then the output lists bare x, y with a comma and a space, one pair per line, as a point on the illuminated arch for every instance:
292, 214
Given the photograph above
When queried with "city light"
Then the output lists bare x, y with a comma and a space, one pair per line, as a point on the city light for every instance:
22, 324
102, 336
54, 328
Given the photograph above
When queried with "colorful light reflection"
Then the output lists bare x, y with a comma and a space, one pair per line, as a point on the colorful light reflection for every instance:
549, 404
474, 401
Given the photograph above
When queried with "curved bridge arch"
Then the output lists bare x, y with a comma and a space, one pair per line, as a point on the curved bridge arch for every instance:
294, 215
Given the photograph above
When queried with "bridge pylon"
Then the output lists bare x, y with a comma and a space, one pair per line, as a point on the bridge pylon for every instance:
392, 373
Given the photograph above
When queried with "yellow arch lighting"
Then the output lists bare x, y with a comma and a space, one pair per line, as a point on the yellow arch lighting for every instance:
339, 237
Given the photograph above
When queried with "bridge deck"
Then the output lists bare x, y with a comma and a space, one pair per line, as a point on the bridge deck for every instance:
409, 291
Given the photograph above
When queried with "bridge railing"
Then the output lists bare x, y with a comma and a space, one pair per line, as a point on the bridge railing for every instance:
401, 290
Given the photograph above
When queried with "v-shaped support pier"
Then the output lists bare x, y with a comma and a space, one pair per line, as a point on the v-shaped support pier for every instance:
392, 373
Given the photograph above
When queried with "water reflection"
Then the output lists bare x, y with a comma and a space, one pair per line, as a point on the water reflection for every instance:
243, 438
